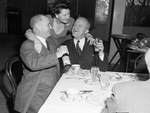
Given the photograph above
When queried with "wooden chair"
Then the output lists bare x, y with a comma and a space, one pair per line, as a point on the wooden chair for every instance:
137, 60
14, 71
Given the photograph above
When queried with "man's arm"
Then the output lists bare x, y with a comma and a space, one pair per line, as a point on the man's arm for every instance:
31, 36
35, 61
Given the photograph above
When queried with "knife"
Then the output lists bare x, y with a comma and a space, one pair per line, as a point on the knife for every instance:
81, 91
86, 91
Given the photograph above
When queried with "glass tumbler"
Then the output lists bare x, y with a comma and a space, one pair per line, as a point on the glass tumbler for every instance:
94, 73
104, 81
98, 45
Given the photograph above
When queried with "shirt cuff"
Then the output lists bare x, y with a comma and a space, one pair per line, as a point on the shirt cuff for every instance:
101, 55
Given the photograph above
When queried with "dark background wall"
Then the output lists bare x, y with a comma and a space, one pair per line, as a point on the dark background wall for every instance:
27, 8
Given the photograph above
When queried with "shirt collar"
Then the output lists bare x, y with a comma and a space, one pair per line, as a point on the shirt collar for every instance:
42, 40
81, 44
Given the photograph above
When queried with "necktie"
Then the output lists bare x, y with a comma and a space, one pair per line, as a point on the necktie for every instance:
78, 48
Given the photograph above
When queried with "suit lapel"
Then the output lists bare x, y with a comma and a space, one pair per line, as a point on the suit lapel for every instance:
44, 50
85, 47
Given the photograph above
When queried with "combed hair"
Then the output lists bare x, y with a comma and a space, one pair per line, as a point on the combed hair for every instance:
58, 6
35, 19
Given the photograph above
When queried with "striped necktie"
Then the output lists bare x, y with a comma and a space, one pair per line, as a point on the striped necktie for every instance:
78, 48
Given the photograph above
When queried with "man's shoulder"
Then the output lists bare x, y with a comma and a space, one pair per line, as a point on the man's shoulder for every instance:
68, 42
27, 43
49, 16
127, 86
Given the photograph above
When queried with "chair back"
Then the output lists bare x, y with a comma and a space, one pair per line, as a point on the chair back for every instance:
14, 72
137, 60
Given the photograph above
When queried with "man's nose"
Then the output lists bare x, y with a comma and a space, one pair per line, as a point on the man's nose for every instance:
75, 27
67, 17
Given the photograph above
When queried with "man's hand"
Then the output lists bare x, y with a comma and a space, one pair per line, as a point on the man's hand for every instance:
37, 46
30, 35
90, 38
99, 47
61, 50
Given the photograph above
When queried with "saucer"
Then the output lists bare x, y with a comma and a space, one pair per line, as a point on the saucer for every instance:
65, 99
95, 100
90, 82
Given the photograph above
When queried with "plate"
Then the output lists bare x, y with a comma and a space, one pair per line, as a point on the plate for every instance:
65, 99
90, 82
95, 100
84, 73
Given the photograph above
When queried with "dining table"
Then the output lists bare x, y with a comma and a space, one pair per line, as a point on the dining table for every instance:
92, 101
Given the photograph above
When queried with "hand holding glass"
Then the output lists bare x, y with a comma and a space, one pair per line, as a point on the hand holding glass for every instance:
98, 45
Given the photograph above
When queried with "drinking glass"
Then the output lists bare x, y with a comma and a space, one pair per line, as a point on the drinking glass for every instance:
94, 73
104, 81
98, 45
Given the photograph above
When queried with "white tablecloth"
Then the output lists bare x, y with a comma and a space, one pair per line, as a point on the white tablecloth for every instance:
54, 103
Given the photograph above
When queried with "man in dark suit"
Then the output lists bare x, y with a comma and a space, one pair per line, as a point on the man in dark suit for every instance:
41, 68
80, 51
130, 97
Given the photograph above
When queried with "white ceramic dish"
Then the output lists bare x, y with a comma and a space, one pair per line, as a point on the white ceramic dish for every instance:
90, 82
65, 99
95, 100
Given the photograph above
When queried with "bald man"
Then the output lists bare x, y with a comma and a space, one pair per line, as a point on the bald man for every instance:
41, 68
86, 57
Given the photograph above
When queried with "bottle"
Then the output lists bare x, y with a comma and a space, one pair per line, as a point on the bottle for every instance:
66, 62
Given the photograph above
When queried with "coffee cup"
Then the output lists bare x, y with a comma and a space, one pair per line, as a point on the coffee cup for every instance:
75, 68
72, 94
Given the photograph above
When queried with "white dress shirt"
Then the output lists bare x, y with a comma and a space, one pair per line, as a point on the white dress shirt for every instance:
81, 45
43, 41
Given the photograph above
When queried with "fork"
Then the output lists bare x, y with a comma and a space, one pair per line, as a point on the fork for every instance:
73, 78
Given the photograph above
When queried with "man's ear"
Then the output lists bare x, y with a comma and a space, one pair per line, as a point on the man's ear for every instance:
56, 15
38, 26
87, 31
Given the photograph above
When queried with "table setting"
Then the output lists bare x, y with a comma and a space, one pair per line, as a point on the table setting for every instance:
80, 90
140, 45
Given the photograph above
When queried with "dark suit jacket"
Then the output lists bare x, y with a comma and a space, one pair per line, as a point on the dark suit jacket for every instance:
86, 60
39, 68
